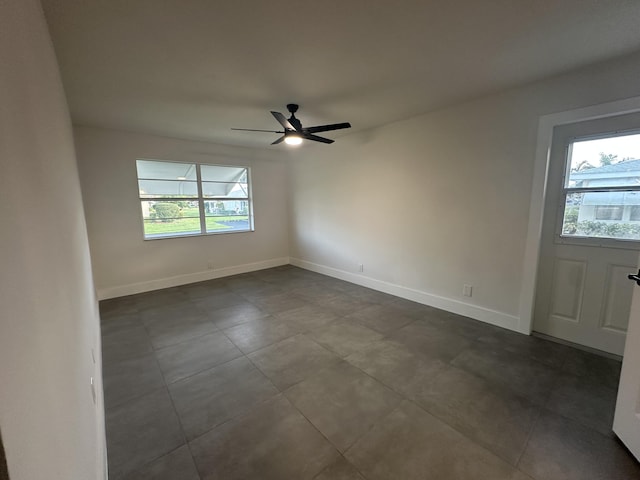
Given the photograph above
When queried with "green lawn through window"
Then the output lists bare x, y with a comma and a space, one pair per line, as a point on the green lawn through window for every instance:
189, 225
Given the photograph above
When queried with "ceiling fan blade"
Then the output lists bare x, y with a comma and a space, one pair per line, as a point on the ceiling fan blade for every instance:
280, 140
253, 130
326, 128
283, 121
316, 138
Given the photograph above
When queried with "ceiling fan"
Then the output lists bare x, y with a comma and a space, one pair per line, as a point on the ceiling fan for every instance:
294, 133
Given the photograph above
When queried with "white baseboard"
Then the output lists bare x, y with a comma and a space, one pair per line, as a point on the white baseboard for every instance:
476, 312
493, 317
141, 287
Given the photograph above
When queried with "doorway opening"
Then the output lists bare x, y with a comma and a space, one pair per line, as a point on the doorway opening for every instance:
590, 233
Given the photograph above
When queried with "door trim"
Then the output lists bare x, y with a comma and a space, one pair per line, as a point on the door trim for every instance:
546, 124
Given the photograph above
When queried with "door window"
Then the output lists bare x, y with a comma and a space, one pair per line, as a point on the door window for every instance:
601, 193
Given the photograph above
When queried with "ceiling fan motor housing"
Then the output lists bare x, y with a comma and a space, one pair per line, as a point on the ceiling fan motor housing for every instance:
295, 123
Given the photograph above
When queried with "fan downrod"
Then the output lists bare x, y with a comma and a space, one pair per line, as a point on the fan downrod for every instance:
292, 107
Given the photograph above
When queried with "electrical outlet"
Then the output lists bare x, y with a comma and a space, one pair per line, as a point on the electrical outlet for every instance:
210, 265
467, 290
360, 267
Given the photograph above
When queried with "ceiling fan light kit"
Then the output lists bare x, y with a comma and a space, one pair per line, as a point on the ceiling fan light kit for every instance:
294, 132
293, 139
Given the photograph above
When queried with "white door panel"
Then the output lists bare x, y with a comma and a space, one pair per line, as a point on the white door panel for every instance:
588, 298
615, 314
567, 289
626, 423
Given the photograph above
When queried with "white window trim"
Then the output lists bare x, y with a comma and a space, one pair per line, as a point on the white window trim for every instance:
200, 199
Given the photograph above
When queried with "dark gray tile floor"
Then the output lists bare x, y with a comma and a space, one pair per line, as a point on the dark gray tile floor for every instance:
288, 374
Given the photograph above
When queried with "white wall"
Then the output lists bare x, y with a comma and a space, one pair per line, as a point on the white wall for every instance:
48, 312
440, 200
123, 262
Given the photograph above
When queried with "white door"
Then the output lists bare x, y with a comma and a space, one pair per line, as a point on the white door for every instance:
591, 233
626, 423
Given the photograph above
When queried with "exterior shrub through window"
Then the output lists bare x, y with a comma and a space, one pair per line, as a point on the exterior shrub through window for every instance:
602, 188
180, 199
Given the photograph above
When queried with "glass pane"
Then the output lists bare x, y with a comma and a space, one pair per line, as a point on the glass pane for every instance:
216, 173
167, 188
166, 219
151, 169
227, 215
602, 215
164, 210
225, 190
605, 162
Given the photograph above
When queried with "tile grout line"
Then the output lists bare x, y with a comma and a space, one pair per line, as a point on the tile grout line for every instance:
282, 392
540, 408
315, 428
166, 387
246, 412
191, 375
175, 411
162, 388
426, 410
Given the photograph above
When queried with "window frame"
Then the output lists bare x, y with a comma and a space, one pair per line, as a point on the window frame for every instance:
200, 199
608, 242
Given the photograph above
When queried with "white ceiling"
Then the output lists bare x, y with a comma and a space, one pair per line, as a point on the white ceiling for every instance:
196, 68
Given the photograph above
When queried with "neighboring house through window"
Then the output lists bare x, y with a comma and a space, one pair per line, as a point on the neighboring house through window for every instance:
184, 199
608, 212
